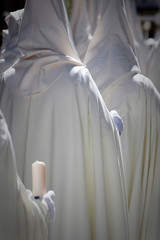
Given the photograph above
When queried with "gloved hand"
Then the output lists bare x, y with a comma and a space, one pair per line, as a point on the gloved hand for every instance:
47, 200
117, 120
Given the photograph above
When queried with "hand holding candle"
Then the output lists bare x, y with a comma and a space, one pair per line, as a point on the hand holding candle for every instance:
38, 179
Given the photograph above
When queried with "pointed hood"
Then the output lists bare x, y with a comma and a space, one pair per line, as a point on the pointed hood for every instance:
112, 46
10, 52
46, 45
111, 56
45, 27
80, 26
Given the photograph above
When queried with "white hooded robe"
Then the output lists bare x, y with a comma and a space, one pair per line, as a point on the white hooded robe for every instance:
112, 62
21, 217
56, 114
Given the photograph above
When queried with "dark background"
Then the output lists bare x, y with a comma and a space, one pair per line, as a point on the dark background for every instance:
9, 6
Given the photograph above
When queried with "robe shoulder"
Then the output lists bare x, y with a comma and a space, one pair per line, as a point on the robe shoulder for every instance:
147, 88
82, 77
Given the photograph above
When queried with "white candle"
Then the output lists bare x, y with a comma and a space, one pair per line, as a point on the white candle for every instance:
38, 179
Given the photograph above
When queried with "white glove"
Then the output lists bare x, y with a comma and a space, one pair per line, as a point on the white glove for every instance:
29, 193
117, 120
47, 200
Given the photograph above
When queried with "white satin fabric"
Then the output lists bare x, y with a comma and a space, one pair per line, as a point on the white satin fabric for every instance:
5, 39
111, 60
141, 49
147, 50
152, 67
56, 114
80, 27
69, 128
21, 217
93, 7
9, 51
36, 35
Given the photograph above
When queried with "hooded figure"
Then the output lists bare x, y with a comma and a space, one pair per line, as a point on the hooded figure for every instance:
80, 27
9, 51
112, 63
21, 216
81, 33
56, 114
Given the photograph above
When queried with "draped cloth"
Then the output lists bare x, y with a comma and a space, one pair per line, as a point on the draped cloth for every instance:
56, 114
80, 26
111, 57
21, 217
142, 52
69, 129
113, 65
9, 50
152, 68
93, 8
148, 51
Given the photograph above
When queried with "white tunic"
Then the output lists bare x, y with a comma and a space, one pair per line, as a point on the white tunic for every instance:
56, 114
111, 60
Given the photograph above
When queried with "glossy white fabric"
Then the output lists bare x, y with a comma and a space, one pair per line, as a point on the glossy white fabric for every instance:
69, 129
111, 45
112, 63
35, 35
141, 49
5, 39
147, 51
80, 27
81, 33
56, 114
152, 68
93, 7
21, 217
10, 52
